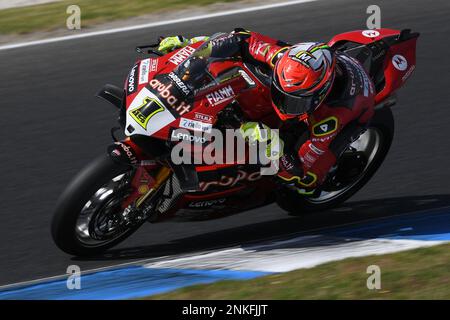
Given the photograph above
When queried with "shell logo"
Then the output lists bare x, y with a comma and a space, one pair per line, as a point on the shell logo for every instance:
143, 189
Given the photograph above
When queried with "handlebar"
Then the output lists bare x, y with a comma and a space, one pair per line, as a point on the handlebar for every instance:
141, 49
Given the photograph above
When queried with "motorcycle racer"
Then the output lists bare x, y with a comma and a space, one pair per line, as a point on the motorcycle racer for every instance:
329, 91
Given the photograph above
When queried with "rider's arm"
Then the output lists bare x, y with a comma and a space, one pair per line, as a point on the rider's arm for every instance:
252, 46
262, 48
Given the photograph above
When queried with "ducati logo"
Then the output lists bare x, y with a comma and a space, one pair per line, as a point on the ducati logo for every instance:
400, 63
325, 127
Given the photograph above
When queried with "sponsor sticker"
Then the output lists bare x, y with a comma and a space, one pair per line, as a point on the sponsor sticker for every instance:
144, 70
400, 63
181, 135
153, 65
148, 108
315, 149
147, 114
132, 85
195, 125
203, 117
128, 151
408, 73
227, 181
219, 96
179, 83
287, 164
206, 203
218, 41
370, 33
143, 189
260, 48
166, 94
181, 55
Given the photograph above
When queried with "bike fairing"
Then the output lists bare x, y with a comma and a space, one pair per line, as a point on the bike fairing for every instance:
342, 107
136, 181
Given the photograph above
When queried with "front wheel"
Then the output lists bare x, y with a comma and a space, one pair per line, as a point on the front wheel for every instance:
365, 156
89, 217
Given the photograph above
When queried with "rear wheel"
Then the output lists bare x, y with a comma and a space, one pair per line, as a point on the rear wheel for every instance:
353, 170
89, 217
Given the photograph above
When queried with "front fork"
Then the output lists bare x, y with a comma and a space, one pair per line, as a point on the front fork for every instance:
161, 177
148, 176
128, 153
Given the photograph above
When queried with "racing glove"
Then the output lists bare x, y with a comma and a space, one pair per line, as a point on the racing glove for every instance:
256, 132
171, 43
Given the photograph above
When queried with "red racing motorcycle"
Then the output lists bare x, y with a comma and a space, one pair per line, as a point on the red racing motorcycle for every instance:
137, 181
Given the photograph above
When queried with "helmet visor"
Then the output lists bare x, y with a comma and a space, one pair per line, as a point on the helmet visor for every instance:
292, 105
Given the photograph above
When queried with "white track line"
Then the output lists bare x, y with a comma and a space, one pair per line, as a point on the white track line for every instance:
298, 253
153, 24
231, 246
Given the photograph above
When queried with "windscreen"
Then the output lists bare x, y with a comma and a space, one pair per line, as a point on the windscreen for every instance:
194, 72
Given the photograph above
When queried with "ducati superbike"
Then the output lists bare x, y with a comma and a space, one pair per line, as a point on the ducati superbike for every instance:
137, 181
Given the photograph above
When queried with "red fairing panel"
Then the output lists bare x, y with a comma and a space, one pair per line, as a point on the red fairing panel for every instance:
363, 36
399, 64
144, 70
400, 60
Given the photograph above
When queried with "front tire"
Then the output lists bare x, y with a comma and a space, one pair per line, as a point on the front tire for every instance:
296, 204
66, 228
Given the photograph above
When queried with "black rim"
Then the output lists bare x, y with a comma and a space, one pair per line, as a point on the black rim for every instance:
102, 219
369, 144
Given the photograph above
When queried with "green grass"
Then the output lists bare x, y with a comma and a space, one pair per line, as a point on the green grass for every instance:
416, 274
51, 16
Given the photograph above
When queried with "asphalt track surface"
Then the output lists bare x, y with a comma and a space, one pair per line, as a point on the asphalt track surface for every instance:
52, 125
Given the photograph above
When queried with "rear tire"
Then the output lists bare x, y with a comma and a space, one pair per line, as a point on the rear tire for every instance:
296, 204
71, 202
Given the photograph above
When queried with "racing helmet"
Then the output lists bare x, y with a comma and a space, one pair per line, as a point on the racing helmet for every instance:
302, 78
